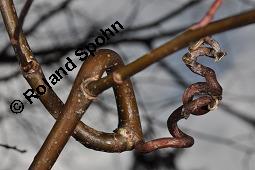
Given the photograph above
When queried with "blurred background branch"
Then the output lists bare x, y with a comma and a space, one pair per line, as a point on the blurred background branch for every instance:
12, 148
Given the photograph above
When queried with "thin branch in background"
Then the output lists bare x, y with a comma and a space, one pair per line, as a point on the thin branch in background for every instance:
171, 71
10, 76
70, 19
49, 14
149, 38
232, 111
12, 148
166, 17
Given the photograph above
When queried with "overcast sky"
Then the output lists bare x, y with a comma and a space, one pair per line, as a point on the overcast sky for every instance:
235, 73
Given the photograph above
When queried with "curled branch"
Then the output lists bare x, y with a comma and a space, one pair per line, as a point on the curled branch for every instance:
208, 95
125, 137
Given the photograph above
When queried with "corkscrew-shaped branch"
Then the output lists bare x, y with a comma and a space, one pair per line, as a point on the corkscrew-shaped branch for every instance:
208, 94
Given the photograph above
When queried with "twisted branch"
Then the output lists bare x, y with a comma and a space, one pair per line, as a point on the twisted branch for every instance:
129, 129
210, 90
88, 85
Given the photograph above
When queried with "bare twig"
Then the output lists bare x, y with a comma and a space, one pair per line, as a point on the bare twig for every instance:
166, 17
21, 19
13, 148
209, 15
10, 76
